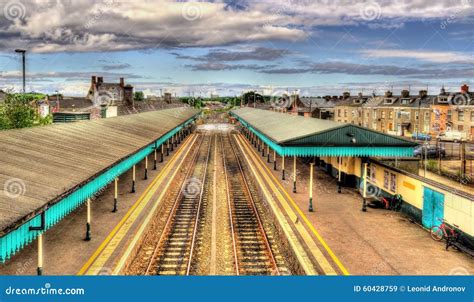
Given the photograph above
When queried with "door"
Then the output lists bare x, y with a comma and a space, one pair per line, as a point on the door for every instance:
433, 208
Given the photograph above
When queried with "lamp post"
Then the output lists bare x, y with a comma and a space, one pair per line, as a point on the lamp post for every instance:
22, 52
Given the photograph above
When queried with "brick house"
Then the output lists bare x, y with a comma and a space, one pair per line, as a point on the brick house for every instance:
101, 93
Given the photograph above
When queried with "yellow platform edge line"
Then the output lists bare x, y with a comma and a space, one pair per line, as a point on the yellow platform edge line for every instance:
306, 220
320, 258
97, 252
122, 261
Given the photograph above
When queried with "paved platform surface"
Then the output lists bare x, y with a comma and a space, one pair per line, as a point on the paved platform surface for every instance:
65, 251
376, 242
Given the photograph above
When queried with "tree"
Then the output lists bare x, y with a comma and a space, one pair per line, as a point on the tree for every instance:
138, 96
18, 111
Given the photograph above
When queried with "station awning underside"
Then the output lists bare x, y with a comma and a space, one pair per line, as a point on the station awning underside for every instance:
54, 169
291, 135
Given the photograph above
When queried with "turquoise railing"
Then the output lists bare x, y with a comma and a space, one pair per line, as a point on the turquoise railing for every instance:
16, 239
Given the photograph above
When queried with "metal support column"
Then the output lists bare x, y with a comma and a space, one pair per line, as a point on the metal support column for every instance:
115, 194
154, 158
364, 193
339, 164
162, 151
133, 179
88, 223
310, 208
39, 269
268, 153
274, 160
294, 174
283, 167
146, 168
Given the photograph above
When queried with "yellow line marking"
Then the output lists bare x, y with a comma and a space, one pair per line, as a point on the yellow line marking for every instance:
303, 216
301, 254
94, 256
121, 263
316, 252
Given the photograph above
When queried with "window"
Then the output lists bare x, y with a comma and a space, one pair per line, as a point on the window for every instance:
393, 182
460, 128
371, 172
450, 115
390, 114
383, 114
345, 112
416, 115
472, 116
339, 112
460, 115
386, 179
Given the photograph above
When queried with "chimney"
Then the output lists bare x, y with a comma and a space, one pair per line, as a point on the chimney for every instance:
346, 94
405, 93
388, 94
360, 94
465, 88
100, 80
122, 82
442, 91
423, 93
93, 80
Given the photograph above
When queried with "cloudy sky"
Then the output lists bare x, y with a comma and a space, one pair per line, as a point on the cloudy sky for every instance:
199, 47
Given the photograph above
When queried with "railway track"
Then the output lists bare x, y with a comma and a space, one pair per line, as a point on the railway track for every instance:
253, 254
175, 249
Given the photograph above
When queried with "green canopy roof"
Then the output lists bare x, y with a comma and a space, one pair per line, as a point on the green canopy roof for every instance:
300, 136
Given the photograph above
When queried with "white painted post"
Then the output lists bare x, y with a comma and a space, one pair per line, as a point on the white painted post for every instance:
115, 194
39, 269
339, 161
294, 174
146, 168
311, 187
283, 167
133, 179
364, 194
88, 223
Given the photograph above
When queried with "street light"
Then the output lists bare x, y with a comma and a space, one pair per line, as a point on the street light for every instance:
22, 51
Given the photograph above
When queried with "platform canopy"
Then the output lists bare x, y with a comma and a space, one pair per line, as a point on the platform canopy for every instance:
54, 169
291, 135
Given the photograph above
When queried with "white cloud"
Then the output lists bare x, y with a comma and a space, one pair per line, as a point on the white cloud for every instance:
53, 25
429, 56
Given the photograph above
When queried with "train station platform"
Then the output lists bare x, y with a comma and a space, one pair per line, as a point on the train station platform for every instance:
50, 171
376, 242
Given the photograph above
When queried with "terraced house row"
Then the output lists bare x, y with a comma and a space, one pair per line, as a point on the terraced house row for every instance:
405, 114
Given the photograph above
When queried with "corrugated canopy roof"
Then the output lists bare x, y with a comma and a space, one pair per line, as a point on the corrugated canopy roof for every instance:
45, 162
290, 130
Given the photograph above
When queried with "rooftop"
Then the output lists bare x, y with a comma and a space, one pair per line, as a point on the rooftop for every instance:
47, 163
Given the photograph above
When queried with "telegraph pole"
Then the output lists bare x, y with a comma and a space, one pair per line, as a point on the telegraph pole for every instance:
22, 51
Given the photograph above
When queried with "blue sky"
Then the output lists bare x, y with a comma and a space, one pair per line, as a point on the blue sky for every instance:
188, 47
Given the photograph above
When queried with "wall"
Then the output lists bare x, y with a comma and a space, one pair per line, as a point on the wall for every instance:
458, 207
